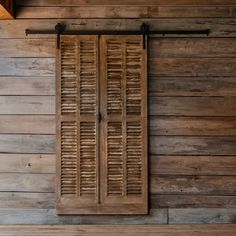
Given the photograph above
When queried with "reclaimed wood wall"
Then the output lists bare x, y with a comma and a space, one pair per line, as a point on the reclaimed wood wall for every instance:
192, 109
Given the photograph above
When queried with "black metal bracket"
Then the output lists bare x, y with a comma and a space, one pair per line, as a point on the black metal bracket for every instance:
144, 30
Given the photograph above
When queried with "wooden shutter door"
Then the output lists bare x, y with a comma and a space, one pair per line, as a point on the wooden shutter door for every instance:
77, 128
124, 125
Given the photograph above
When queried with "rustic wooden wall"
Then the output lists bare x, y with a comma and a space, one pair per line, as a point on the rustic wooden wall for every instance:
192, 107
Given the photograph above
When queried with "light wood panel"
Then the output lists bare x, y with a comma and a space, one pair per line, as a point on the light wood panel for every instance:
118, 11
184, 145
193, 165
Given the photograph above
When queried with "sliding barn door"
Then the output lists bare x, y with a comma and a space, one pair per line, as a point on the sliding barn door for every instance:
124, 124
101, 125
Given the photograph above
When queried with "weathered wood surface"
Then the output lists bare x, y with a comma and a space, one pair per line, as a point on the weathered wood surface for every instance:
126, 11
27, 163
27, 67
27, 85
220, 27
191, 201
117, 230
27, 105
27, 124
199, 126
192, 86
192, 165
210, 185
26, 143
184, 145
49, 216
192, 106
202, 216
122, 2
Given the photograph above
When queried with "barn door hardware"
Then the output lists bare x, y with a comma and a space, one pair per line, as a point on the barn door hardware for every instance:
144, 30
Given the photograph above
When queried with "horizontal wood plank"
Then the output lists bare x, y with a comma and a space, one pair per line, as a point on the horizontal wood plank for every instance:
192, 47
49, 216
192, 67
202, 216
27, 48
192, 165
213, 185
192, 86
192, 106
27, 85
118, 11
121, 2
27, 163
195, 126
42, 144
219, 27
27, 124
184, 145
192, 201
27, 105
27, 67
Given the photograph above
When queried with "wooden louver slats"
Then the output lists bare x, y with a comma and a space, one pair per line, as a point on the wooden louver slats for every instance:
102, 159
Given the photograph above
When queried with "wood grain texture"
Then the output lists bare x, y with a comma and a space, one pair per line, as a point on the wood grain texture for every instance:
192, 67
27, 85
49, 216
27, 182
193, 165
198, 126
210, 185
192, 106
27, 163
27, 143
27, 66
27, 124
202, 216
192, 47
122, 2
27, 48
219, 27
118, 11
116, 230
184, 145
192, 86
27, 105
192, 201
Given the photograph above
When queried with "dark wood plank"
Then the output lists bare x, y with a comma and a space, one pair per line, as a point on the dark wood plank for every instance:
27, 67
192, 165
202, 216
219, 27
122, 2
192, 47
27, 182
192, 86
192, 67
27, 48
192, 201
118, 11
27, 200
210, 185
192, 106
184, 145
42, 144
49, 216
27, 105
198, 126
27, 163
27, 124
27, 85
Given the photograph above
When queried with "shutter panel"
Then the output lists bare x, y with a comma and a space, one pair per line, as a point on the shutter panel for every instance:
77, 129
124, 125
